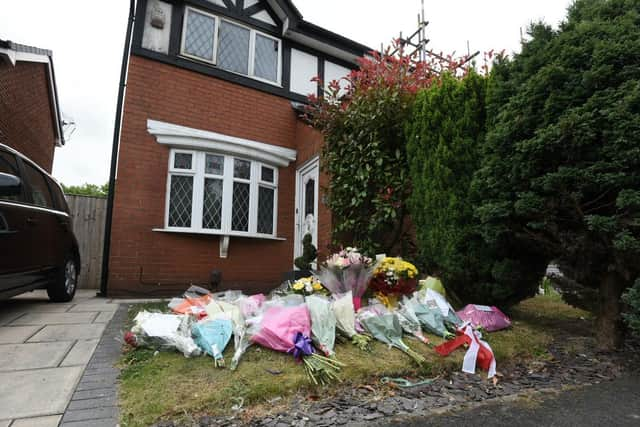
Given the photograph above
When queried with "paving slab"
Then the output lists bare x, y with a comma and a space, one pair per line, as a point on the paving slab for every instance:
5, 423
101, 402
49, 421
35, 318
38, 392
15, 357
104, 317
8, 316
105, 306
17, 334
81, 353
88, 415
69, 332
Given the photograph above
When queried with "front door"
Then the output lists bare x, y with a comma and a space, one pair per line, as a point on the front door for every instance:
307, 186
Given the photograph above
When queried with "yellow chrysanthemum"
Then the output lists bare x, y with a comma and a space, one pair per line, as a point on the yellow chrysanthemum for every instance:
298, 286
317, 286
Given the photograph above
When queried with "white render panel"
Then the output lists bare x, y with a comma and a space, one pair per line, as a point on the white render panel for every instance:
157, 39
249, 3
264, 17
303, 68
335, 72
218, 2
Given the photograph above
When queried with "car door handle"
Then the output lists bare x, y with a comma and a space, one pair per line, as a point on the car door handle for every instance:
31, 221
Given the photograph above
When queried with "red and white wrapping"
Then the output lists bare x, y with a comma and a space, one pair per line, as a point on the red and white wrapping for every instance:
478, 353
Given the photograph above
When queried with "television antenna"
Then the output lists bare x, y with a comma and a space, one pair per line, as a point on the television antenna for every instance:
418, 41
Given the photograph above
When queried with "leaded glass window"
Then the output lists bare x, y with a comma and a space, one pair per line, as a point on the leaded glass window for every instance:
214, 193
212, 204
199, 35
240, 208
265, 210
180, 201
266, 58
233, 47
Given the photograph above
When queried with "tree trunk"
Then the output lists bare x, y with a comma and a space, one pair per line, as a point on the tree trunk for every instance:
609, 327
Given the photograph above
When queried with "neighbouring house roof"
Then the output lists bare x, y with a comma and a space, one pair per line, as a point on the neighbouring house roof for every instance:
296, 28
15, 52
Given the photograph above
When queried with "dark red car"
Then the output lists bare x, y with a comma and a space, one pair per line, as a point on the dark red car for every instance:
37, 246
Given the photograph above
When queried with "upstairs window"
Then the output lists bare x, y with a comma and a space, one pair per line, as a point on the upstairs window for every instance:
231, 46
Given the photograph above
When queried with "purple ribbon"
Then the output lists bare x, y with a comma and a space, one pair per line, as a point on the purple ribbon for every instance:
301, 346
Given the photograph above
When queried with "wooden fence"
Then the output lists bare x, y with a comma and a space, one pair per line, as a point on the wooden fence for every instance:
88, 214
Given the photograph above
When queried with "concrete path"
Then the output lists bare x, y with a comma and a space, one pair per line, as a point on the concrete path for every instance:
44, 349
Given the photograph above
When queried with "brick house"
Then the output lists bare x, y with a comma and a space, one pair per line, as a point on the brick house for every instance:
30, 119
215, 169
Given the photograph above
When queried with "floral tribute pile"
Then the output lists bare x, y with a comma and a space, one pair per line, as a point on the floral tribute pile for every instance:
305, 318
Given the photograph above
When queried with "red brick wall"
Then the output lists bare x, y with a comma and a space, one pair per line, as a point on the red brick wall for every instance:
169, 262
26, 120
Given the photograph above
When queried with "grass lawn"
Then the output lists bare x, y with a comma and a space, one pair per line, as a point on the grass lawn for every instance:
169, 386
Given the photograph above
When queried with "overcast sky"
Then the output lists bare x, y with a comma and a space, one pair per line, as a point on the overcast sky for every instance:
87, 38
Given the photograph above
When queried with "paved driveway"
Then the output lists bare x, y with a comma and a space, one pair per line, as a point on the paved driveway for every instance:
44, 348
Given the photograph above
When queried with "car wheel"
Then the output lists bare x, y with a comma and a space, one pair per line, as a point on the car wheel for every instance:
64, 286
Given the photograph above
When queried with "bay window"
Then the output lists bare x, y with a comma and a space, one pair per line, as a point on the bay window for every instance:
220, 194
231, 46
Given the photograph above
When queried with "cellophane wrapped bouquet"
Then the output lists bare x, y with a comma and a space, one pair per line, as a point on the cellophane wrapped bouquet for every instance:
288, 330
346, 321
347, 270
323, 324
386, 328
393, 278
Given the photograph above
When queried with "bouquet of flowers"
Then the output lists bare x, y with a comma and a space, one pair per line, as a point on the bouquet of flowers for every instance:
346, 320
386, 328
212, 336
287, 329
431, 319
308, 286
394, 276
323, 324
347, 270
434, 299
409, 320
164, 332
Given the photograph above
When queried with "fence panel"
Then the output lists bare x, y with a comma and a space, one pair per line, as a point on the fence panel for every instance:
88, 214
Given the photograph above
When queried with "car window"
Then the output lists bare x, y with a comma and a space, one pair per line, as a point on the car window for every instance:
8, 165
58, 198
40, 193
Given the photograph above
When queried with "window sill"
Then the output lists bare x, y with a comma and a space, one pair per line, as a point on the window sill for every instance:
220, 233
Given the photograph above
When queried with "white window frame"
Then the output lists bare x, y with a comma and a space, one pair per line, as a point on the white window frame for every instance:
252, 57
252, 47
216, 21
197, 208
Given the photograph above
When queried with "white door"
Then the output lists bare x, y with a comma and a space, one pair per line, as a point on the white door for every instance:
307, 177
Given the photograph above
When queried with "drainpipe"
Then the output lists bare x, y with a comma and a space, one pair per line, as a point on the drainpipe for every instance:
114, 151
